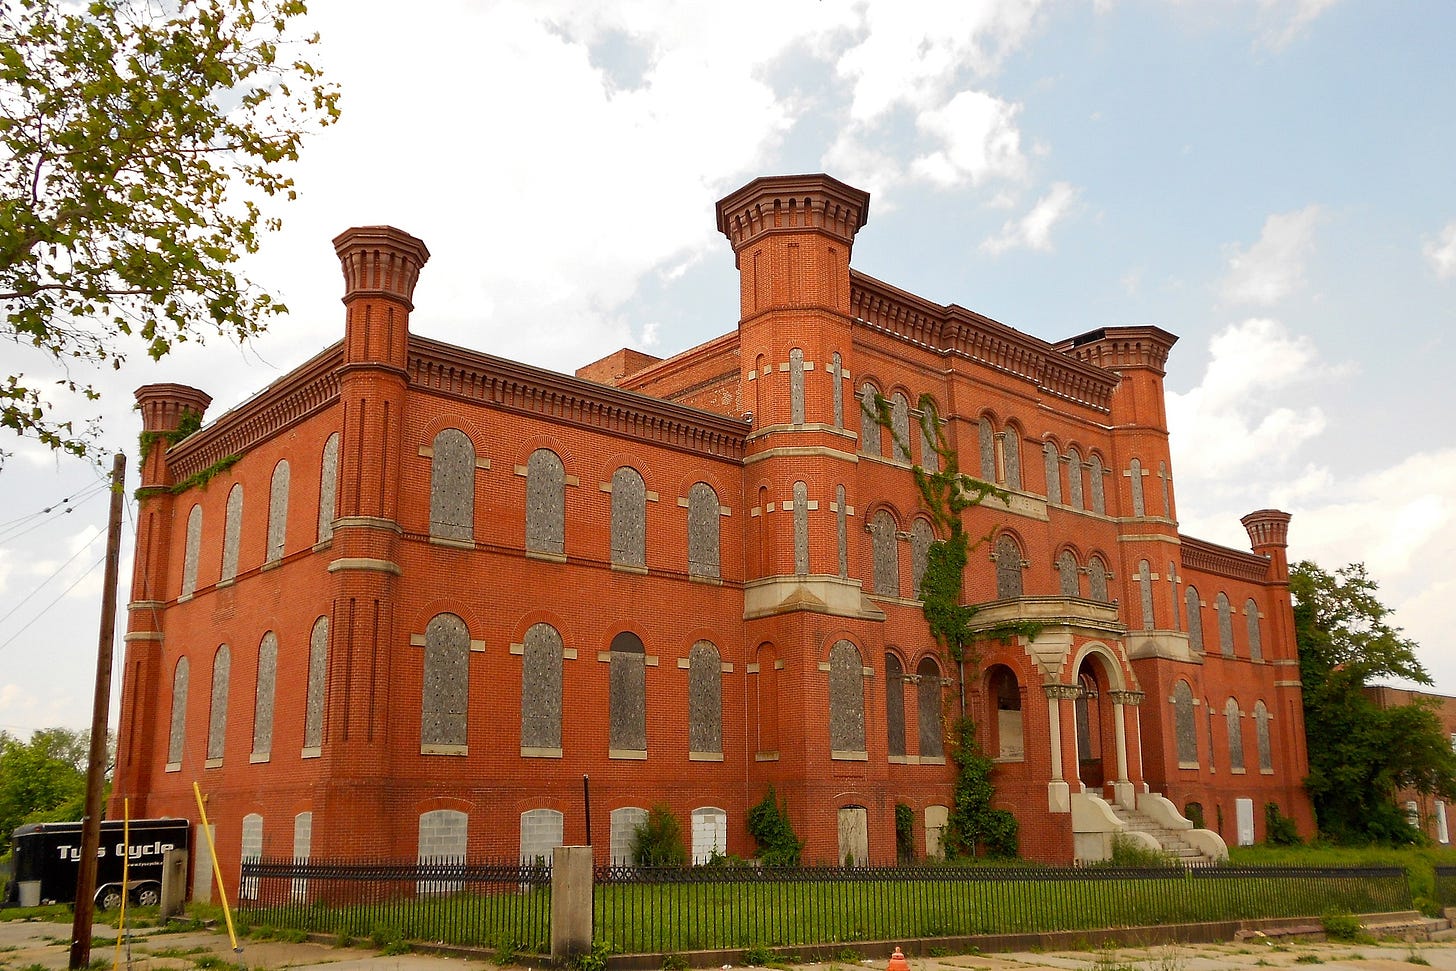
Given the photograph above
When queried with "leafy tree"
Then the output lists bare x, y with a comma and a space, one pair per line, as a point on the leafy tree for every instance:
137, 140
1361, 755
658, 840
42, 780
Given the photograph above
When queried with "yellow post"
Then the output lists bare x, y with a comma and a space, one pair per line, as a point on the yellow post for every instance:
216, 868
125, 878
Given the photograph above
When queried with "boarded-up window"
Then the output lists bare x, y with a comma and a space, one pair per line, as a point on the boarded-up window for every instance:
318, 671
1067, 574
194, 546
869, 420
1136, 482
1074, 479
277, 513
1011, 453
542, 831
1225, 625
986, 436
885, 554
837, 376
846, 699
1195, 619
625, 821
263, 696
705, 699
232, 532
841, 524
1235, 734
801, 529
900, 424
710, 834
1052, 467
1099, 494
629, 518
927, 697
854, 836
703, 530
796, 386
1167, 494
452, 486
1261, 727
1251, 622
894, 705
1185, 726
222, 665
545, 503
446, 681
177, 734
1005, 695
328, 488
541, 655
1008, 568
1145, 592
921, 536
1097, 579
628, 694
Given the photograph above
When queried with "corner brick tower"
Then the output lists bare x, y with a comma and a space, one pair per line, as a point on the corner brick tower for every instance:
381, 266
1269, 537
164, 407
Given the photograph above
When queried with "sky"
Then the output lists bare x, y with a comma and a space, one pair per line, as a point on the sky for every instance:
1271, 180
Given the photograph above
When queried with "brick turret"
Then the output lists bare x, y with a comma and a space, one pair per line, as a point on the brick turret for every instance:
1269, 536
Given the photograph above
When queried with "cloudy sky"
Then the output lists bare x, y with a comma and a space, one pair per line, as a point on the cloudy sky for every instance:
1269, 179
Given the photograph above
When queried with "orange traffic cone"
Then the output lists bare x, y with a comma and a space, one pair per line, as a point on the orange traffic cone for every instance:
898, 962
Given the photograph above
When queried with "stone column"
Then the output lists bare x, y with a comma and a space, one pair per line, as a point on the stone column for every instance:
1122, 786
1059, 794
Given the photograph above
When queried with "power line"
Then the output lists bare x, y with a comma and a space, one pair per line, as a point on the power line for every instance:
27, 598
48, 606
17, 528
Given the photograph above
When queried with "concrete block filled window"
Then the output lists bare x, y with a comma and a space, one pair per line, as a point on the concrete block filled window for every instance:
625, 821
884, 554
318, 672
328, 488
222, 664
1261, 728
894, 706
1225, 625
869, 420
710, 834
1067, 578
1195, 620
921, 536
1008, 567
1251, 624
1235, 735
177, 734
541, 832
232, 532
277, 513
189, 555
705, 700
928, 698
263, 696
1185, 726
1011, 455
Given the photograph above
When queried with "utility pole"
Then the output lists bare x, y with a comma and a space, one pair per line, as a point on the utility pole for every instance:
100, 710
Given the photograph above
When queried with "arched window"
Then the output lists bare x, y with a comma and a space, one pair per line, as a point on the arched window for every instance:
318, 672
1067, 574
177, 734
1235, 735
232, 531
277, 512
703, 531
929, 439
927, 699
452, 486
328, 488
1251, 622
1005, 697
250, 848
987, 437
194, 546
796, 386
869, 420
629, 517
263, 695
1145, 593
1099, 495
1008, 568
1225, 625
900, 425
443, 839
1185, 726
545, 503
846, 701
1195, 620
705, 699
837, 375
541, 653
766, 700
628, 694
921, 536
1074, 478
1167, 495
1261, 728
541, 832
222, 665
760, 371
885, 554
894, 705
1097, 579
625, 821
841, 523
801, 529
1053, 469
710, 834
446, 682
1011, 453
1136, 481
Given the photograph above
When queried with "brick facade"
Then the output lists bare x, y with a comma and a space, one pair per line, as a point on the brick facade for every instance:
491, 580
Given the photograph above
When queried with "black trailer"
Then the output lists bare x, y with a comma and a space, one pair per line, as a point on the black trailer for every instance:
48, 856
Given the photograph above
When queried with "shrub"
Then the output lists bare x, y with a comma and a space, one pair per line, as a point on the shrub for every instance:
904, 832
768, 823
658, 840
1129, 852
1343, 926
1279, 829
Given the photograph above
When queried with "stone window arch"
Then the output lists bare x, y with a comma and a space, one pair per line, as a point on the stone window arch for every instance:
837, 374
277, 512
705, 699
1185, 726
1008, 567
328, 488
1004, 695
263, 695
927, 701
177, 734
710, 834
841, 525
1067, 578
627, 697
1052, 464
1225, 624
1011, 455
704, 533
796, 386
232, 531
546, 503
1135, 468
801, 529
452, 486
869, 420
222, 666
1251, 622
929, 439
1261, 728
541, 654
921, 536
900, 425
629, 517
542, 830
1074, 478
1145, 593
885, 554
625, 821
846, 701
986, 437
194, 546
1235, 735
445, 692
894, 705
1097, 579
318, 672
1099, 492
1195, 619
250, 848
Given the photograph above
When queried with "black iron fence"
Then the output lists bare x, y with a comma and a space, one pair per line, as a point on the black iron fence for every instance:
503, 905
1446, 886
676, 910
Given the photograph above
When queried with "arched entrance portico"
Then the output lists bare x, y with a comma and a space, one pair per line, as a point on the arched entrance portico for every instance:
1092, 720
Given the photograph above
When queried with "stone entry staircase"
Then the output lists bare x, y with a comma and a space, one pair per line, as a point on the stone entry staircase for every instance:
1172, 844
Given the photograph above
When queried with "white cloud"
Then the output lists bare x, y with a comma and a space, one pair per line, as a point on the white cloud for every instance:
1441, 252
979, 141
1273, 268
1282, 21
1034, 230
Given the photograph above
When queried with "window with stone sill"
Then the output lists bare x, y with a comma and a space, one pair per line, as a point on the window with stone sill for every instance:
277, 513
928, 696
177, 734
328, 488
894, 706
704, 532
452, 486
627, 694
545, 503
266, 688
705, 699
222, 663
541, 657
884, 554
446, 680
629, 518
846, 699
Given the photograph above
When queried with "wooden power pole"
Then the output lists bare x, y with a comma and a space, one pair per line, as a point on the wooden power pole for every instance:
100, 711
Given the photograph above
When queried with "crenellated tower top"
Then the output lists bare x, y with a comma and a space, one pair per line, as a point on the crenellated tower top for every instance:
163, 406
1269, 536
380, 261
792, 204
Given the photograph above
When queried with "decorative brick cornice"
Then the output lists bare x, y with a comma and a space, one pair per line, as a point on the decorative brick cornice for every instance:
1114, 348
792, 203
380, 261
1235, 564
1267, 527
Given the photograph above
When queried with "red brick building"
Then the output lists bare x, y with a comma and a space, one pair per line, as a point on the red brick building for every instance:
1426, 811
402, 600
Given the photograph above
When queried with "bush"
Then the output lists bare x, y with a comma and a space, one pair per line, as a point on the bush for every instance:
1344, 926
658, 840
768, 823
1133, 853
1279, 829
904, 832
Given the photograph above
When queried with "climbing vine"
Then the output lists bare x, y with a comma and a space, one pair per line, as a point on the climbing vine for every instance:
189, 422
202, 477
972, 822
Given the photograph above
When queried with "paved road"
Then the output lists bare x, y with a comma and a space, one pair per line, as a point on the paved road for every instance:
29, 945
